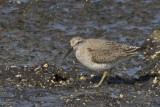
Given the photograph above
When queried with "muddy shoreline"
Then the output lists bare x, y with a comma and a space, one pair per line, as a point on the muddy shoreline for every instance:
34, 37
74, 91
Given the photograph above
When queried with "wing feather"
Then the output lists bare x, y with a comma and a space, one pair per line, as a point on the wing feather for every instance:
112, 52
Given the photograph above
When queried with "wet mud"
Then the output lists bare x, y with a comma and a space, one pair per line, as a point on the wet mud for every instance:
34, 37
52, 86
48, 85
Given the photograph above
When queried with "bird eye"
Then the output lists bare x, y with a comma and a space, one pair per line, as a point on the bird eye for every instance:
78, 42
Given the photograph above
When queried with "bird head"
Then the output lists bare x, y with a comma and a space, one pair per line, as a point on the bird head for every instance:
75, 43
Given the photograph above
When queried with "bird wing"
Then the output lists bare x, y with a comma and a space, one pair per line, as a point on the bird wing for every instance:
112, 52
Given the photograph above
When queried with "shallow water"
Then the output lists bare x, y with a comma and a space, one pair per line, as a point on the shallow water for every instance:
34, 32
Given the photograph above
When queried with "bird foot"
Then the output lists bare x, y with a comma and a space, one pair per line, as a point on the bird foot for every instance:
97, 85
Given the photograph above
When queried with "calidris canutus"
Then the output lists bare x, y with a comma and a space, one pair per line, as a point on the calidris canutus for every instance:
100, 54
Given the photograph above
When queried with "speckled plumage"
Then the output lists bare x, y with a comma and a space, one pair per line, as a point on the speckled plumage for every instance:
99, 54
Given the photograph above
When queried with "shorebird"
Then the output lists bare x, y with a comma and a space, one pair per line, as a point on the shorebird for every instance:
100, 55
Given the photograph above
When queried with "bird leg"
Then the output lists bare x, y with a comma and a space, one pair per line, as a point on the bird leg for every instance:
108, 75
103, 77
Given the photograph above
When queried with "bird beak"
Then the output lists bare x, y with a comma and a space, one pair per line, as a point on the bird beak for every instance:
69, 51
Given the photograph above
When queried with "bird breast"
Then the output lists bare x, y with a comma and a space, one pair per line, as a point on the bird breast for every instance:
84, 57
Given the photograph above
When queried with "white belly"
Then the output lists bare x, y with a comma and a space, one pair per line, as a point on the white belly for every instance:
85, 59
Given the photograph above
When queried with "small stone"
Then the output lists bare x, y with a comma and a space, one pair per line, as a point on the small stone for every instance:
76, 70
71, 96
144, 53
82, 78
154, 56
139, 92
110, 104
125, 69
155, 80
24, 80
71, 79
149, 103
18, 75
13, 66
25, 69
63, 97
159, 72
127, 102
148, 39
152, 72
121, 95
118, 102
17, 85
67, 100
74, 62
45, 65
52, 81
29, 85
77, 99
92, 75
